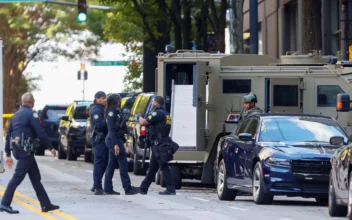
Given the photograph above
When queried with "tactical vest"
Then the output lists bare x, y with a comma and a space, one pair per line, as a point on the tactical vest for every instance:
162, 128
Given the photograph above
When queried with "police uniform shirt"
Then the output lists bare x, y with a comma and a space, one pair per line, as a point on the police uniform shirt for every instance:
111, 119
159, 117
25, 121
97, 118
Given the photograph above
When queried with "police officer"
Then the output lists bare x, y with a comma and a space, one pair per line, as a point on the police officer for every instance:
115, 142
157, 127
23, 129
101, 152
249, 107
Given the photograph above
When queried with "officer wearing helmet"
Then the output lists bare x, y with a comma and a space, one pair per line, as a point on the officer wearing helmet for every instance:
249, 107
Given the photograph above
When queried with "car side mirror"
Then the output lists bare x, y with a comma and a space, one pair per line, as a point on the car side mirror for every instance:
65, 118
245, 137
337, 140
232, 119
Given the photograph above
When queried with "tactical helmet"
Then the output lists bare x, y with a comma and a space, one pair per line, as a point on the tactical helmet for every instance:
250, 97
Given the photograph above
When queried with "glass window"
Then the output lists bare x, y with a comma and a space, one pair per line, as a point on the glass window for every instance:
327, 95
252, 128
54, 114
142, 105
80, 112
243, 126
303, 129
236, 86
285, 95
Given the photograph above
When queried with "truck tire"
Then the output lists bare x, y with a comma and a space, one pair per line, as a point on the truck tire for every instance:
70, 154
137, 166
61, 153
176, 175
87, 155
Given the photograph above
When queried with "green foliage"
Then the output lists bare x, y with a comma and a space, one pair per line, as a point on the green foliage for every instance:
133, 79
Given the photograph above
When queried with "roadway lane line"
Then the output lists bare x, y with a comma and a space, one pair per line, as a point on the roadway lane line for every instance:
31, 208
285, 219
89, 171
36, 202
231, 207
204, 200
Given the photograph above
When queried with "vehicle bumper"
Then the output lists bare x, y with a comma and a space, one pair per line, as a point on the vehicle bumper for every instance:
282, 181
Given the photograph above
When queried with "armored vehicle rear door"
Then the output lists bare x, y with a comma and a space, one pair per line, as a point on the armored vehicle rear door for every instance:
285, 95
199, 101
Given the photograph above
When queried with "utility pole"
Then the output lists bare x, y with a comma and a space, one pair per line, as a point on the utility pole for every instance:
1, 113
82, 73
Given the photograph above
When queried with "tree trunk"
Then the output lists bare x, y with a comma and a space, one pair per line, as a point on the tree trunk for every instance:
175, 15
220, 35
199, 32
187, 25
237, 25
204, 26
312, 25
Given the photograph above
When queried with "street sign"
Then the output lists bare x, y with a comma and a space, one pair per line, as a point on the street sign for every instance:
109, 63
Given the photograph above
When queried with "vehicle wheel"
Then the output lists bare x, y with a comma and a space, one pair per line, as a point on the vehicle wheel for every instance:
61, 153
137, 166
349, 205
335, 210
162, 180
87, 155
130, 165
223, 192
157, 178
259, 196
70, 154
40, 151
176, 175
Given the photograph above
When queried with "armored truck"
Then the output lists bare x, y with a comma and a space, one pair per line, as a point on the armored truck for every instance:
204, 91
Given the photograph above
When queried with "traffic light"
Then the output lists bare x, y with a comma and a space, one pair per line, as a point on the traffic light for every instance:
85, 75
82, 11
79, 75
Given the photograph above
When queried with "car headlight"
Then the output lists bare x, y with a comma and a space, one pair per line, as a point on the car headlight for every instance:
75, 124
272, 161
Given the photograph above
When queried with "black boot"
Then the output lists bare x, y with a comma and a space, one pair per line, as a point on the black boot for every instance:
132, 191
99, 192
50, 207
142, 191
112, 193
8, 209
167, 192
92, 189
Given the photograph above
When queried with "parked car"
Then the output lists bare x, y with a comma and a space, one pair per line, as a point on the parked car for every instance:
277, 154
340, 184
142, 106
72, 131
49, 118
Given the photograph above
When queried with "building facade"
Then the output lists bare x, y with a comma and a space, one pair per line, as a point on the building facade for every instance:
281, 26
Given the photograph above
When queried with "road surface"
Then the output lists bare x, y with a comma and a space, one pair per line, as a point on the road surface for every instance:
68, 185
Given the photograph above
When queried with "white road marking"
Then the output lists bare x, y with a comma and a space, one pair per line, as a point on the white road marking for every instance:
285, 219
62, 163
231, 207
74, 167
89, 171
204, 200
178, 194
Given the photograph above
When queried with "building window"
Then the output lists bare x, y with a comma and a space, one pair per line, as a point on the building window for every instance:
327, 95
236, 86
285, 95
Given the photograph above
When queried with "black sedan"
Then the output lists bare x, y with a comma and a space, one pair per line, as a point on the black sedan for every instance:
278, 154
340, 187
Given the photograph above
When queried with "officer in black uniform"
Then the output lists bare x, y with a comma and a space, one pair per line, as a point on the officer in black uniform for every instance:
158, 128
115, 142
101, 152
24, 128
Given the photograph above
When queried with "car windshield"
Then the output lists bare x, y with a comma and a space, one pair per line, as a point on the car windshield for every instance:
299, 130
55, 114
80, 112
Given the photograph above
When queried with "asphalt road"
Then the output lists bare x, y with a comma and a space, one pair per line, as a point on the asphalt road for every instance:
68, 185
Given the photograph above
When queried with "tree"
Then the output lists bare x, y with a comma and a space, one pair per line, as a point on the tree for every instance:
217, 20
38, 32
237, 25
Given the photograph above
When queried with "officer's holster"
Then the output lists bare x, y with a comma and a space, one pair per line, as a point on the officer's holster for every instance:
23, 147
